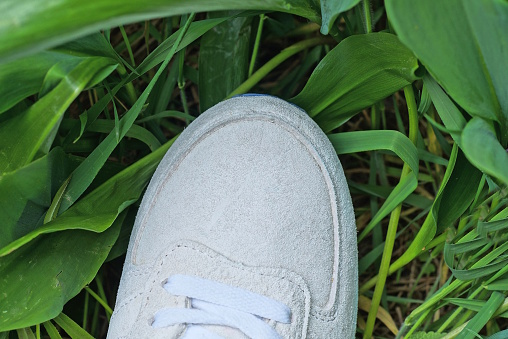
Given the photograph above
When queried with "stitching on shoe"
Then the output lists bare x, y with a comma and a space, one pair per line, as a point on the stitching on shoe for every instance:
228, 262
309, 142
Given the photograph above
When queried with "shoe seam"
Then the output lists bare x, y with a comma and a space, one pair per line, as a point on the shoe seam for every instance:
238, 266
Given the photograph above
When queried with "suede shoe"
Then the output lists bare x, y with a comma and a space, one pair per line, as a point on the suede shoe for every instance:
246, 230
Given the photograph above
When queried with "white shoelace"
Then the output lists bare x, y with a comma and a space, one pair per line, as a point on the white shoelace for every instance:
214, 303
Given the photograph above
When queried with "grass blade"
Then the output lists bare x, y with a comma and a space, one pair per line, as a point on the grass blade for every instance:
51, 329
482, 317
86, 172
73, 330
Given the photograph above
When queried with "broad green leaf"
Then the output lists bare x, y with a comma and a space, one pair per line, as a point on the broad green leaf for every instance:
223, 59
29, 72
98, 210
481, 318
352, 142
482, 148
31, 128
463, 45
37, 280
27, 193
330, 10
28, 26
72, 329
360, 71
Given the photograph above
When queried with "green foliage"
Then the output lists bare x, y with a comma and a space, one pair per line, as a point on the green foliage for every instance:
371, 67
87, 112
223, 59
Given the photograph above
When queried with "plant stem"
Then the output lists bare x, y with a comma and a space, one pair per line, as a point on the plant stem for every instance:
256, 45
127, 45
394, 220
458, 311
99, 300
131, 91
276, 61
181, 79
366, 16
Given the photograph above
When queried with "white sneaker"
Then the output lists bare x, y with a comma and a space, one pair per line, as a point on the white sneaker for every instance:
245, 231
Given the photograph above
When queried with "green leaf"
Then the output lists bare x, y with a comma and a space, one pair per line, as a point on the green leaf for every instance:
459, 192
360, 71
456, 193
91, 45
31, 128
99, 209
352, 142
86, 172
463, 45
330, 10
29, 73
474, 305
427, 335
449, 113
25, 333
73, 330
51, 329
498, 285
195, 31
362, 141
492, 262
482, 148
28, 26
223, 59
383, 192
37, 280
106, 126
499, 335
474, 326
30, 191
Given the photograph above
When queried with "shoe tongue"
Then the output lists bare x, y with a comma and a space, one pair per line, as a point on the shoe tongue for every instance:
194, 259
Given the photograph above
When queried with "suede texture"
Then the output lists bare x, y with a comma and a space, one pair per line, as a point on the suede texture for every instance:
251, 194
